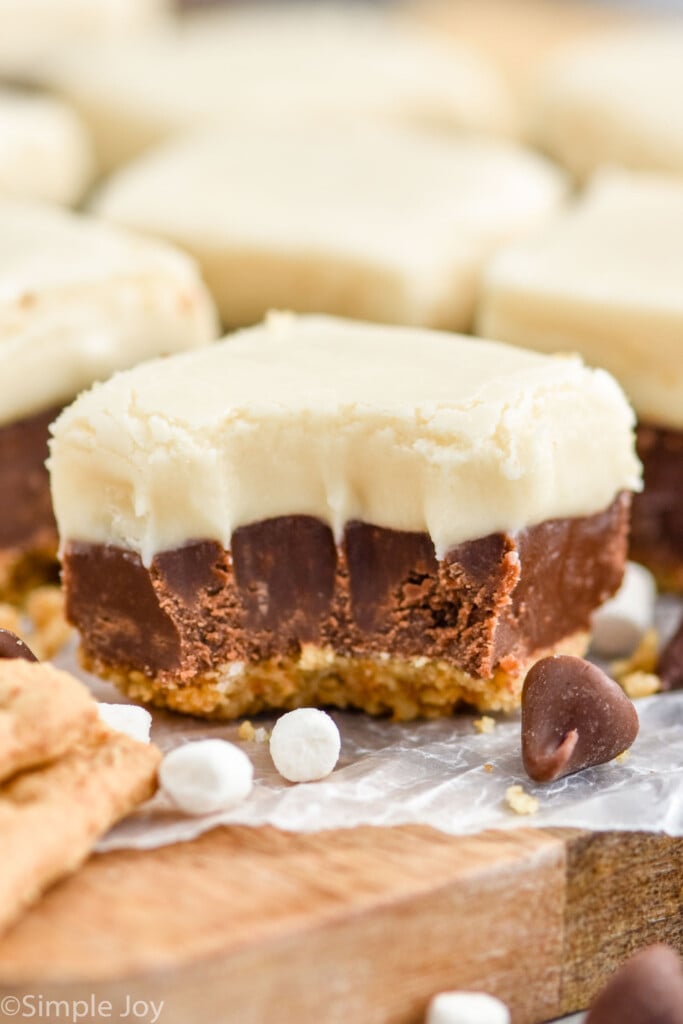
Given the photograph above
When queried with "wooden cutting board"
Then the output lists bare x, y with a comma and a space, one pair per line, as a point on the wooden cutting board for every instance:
256, 926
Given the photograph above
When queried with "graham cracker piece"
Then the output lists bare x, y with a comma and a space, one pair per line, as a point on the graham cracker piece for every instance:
51, 818
43, 713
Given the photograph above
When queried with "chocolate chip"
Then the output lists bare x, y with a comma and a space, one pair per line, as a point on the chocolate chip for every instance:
12, 647
670, 668
648, 989
573, 716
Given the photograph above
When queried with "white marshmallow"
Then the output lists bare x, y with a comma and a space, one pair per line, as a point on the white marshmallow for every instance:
206, 776
134, 721
620, 623
467, 1008
305, 745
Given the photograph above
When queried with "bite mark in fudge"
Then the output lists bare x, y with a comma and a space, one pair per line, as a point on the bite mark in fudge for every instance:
657, 521
201, 614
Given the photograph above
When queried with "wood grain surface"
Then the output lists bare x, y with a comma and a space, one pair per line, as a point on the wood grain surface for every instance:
362, 925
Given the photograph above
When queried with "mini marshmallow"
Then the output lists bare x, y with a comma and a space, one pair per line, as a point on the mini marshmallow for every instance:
621, 622
206, 776
128, 718
467, 1008
305, 745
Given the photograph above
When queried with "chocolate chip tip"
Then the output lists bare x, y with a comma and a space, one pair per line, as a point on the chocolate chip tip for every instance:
647, 988
574, 716
13, 647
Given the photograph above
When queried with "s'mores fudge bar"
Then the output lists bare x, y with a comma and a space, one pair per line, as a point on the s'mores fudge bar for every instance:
605, 280
45, 152
277, 58
614, 100
322, 511
380, 223
33, 31
78, 300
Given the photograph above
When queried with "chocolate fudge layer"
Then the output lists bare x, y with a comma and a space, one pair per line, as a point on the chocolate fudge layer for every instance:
28, 532
323, 511
604, 280
78, 301
290, 618
657, 517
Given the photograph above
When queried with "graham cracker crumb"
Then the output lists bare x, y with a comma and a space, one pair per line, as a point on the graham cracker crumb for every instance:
485, 724
51, 631
488, 768
623, 756
643, 659
640, 684
519, 801
371, 684
246, 731
10, 618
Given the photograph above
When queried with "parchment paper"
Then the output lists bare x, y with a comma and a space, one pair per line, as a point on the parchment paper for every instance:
432, 773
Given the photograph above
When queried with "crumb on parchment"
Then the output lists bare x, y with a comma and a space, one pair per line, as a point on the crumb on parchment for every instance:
45, 607
10, 618
643, 659
41, 623
488, 767
623, 756
640, 684
246, 731
519, 801
248, 734
485, 724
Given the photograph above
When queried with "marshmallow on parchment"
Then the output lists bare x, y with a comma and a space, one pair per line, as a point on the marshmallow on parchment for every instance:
305, 745
467, 1008
621, 622
128, 718
206, 776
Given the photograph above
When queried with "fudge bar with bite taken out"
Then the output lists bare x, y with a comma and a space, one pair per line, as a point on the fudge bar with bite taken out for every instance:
318, 511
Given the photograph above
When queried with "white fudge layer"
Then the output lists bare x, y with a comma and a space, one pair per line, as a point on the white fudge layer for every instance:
384, 223
614, 100
80, 299
406, 429
33, 30
278, 58
45, 152
603, 280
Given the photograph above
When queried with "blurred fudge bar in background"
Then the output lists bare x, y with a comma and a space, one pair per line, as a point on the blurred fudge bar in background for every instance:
605, 280
78, 300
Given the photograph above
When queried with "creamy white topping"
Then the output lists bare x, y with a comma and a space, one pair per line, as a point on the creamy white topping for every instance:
385, 223
278, 58
80, 299
33, 30
45, 152
407, 429
605, 280
614, 100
